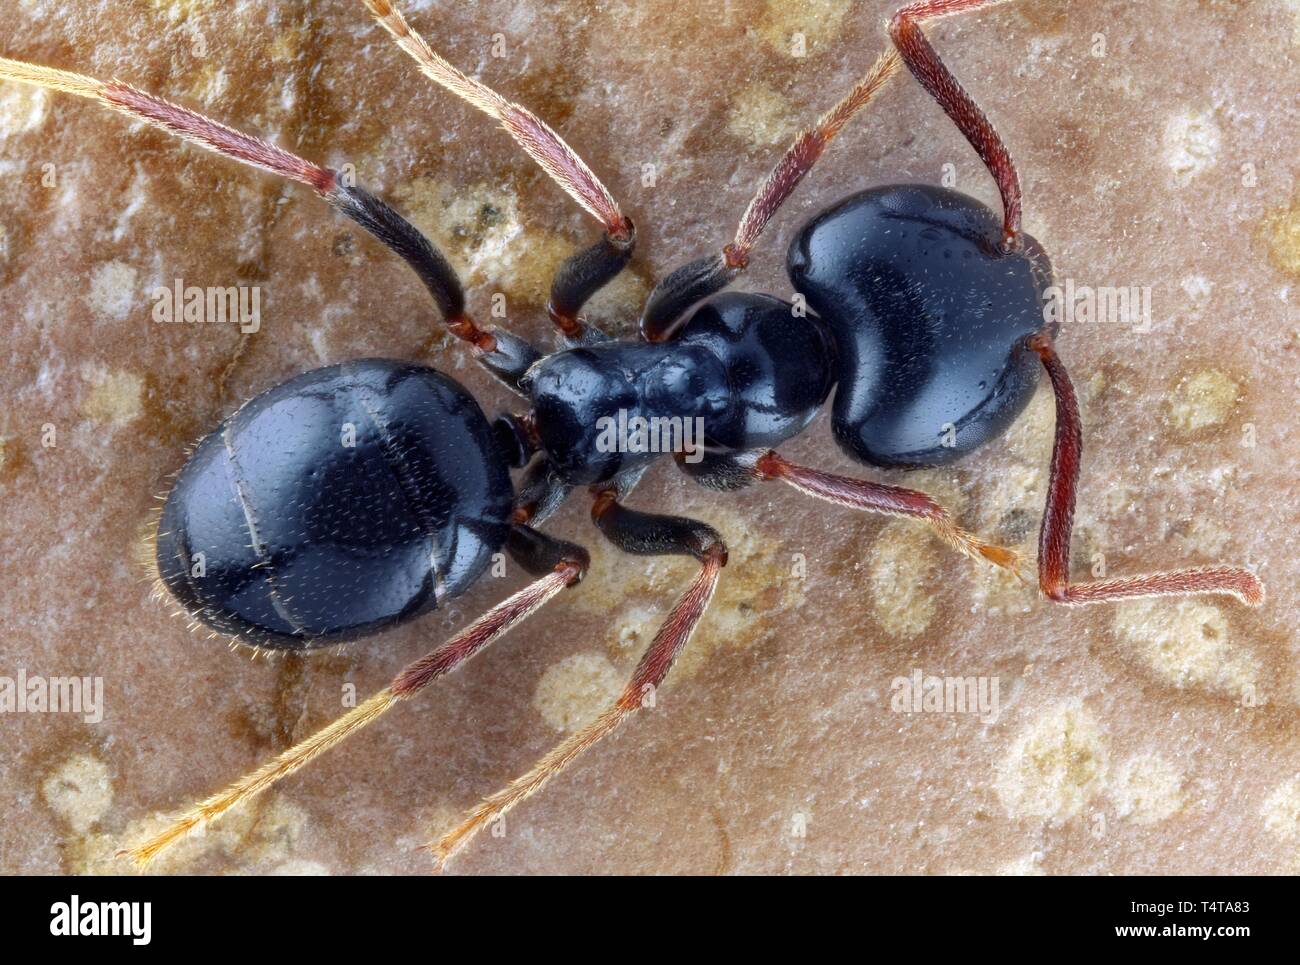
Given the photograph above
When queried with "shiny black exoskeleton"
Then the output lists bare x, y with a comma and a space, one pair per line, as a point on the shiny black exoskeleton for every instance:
304, 538
930, 317
748, 366
920, 319
334, 505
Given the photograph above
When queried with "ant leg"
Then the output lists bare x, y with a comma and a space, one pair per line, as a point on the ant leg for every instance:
501, 354
924, 63
582, 274
634, 532
530, 132
721, 470
650, 534
1058, 520
559, 565
540, 493
890, 500
578, 278
405, 240
698, 279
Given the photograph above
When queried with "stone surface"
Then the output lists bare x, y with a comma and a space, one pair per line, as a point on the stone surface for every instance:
1157, 144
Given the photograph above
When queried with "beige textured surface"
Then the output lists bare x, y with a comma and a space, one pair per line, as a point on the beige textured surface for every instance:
1153, 737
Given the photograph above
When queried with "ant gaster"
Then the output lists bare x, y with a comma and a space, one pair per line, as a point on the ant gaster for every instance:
926, 322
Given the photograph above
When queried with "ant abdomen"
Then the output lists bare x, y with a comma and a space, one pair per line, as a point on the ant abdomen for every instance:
336, 504
930, 317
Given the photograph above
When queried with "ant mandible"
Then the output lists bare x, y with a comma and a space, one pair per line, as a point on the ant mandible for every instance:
927, 313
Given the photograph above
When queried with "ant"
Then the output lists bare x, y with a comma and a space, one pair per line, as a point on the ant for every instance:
927, 322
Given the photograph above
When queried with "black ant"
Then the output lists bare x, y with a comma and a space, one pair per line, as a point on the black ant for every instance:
927, 314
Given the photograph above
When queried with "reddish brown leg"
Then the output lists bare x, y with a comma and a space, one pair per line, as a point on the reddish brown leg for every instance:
176, 120
890, 500
530, 132
808, 146
586, 272
362, 207
1058, 520
704, 276
568, 565
634, 532
924, 63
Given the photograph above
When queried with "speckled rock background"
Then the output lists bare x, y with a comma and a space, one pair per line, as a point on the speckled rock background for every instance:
1157, 142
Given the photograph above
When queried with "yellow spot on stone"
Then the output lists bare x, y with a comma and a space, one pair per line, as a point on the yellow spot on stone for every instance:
1054, 766
903, 560
1202, 400
761, 117
475, 224
115, 398
1281, 811
1030, 438
762, 579
22, 109
1187, 644
758, 581
177, 10
79, 791
1205, 537
259, 838
1024, 866
1198, 289
1146, 789
572, 692
285, 45
1011, 502
113, 289
272, 835
1294, 5
211, 84
480, 230
300, 868
1191, 143
1021, 486
636, 627
785, 22
995, 592
1281, 231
